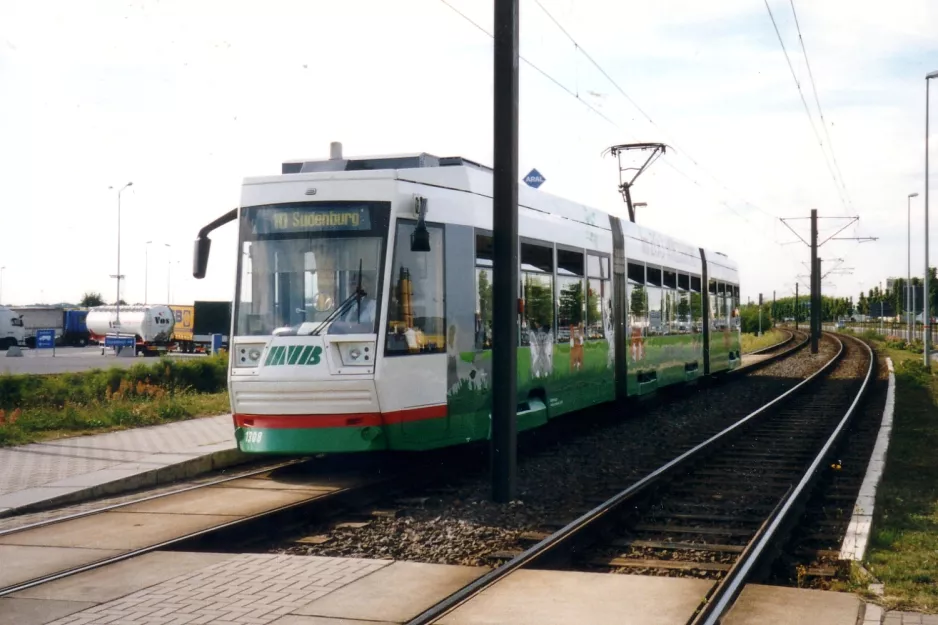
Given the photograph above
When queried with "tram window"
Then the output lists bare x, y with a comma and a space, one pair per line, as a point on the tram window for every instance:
695, 284
668, 299
636, 273
598, 267
683, 312
653, 276
683, 281
537, 258
638, 309
735, 309
538, 323
717, 306
416, 320
571, 307
598, 306
485, 250
569, 263
696, 311
670, 279
655, 325
484, 298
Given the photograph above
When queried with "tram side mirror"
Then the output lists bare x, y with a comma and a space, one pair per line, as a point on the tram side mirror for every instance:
420, 237
203, 246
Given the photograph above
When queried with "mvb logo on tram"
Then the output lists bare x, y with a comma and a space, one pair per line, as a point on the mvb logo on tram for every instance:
293, 355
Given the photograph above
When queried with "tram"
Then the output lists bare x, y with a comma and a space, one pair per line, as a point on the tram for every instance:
362, 316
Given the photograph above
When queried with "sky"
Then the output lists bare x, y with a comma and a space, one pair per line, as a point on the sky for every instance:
186, 98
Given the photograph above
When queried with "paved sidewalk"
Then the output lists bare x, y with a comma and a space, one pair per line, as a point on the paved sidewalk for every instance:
41, 475
875, 615
245, 589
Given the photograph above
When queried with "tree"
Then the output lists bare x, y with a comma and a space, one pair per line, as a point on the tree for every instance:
863, 304
683, 308
637, 304
121, 302
538, 302
484, 329
571, 303
91, 299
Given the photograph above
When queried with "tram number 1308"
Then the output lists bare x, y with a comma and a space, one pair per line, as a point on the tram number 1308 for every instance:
253, 436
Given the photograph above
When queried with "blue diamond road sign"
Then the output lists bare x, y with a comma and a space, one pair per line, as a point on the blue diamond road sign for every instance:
534, 179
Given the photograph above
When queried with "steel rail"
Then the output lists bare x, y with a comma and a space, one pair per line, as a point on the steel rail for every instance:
563, 536
723, 596
768, 360
106, 508
762, 350
326, 498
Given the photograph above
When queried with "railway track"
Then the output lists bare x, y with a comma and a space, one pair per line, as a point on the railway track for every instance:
720, 510
222, 511
230, 511
773, 348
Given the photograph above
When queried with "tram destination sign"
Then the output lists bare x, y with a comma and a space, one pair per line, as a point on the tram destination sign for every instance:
307, 220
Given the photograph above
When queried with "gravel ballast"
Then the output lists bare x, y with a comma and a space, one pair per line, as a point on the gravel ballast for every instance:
460, 525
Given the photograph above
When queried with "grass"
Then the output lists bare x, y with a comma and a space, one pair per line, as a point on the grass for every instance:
31, 425
751, 342
904, 544
41, 407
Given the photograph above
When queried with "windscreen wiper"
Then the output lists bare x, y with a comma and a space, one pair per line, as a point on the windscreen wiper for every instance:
342, 308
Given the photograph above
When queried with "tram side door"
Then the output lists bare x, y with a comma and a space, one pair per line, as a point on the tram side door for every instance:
412, 384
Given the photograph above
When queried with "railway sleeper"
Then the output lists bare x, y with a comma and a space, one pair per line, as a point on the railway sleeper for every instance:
715, 518
686, 529
670, 565
676, 546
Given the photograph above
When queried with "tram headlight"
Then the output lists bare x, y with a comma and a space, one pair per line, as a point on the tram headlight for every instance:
248, 355
357, 354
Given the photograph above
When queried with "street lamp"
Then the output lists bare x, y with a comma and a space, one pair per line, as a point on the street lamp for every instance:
910, 314
927, 314
169, 269
881, 309
2, 269
146, 273
119, 276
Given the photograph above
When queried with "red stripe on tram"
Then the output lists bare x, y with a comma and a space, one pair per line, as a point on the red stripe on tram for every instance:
354, 419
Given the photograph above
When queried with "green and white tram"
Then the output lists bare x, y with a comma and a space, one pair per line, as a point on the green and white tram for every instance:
363, 307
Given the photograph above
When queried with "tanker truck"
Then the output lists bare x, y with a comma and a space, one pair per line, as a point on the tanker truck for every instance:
11, 329
150, 326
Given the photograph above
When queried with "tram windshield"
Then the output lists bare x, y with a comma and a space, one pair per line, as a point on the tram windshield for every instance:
310, 268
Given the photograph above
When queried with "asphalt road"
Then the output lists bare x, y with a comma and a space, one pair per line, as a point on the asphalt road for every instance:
70, 359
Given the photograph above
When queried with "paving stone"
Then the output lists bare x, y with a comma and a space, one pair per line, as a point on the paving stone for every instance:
122, 578
39, 464
24, 563
759, 604
36, 611
397, 592
199, 596
115, 530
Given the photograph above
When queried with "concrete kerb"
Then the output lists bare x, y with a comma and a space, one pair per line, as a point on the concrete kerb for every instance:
109, 481
857, 537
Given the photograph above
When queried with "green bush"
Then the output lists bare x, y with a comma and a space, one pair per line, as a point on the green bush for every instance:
168, 376
913, 372
749, 319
